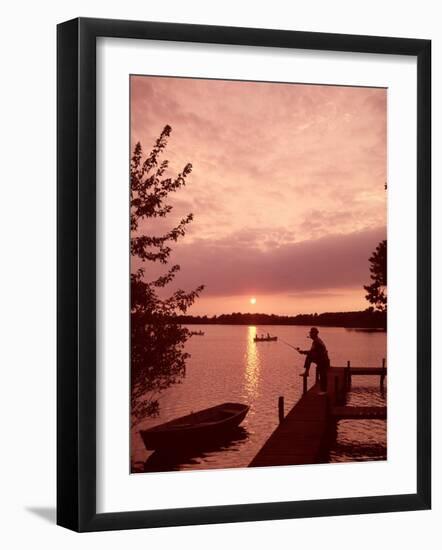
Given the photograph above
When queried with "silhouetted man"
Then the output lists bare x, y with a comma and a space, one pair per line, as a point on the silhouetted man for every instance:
317, 354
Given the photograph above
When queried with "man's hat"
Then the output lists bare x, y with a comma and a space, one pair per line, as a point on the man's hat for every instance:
314, 330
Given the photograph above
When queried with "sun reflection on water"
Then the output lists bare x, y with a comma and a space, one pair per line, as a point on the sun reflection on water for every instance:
252, 366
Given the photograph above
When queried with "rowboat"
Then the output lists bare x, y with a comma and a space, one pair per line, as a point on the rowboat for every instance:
195, 428
265, 339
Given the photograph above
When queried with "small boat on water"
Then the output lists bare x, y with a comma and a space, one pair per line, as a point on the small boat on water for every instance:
265, 339
195, 428
197, 333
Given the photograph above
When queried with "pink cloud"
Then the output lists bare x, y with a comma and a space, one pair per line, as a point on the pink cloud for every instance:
287, 188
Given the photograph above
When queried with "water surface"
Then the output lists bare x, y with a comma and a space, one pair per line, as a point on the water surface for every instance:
227, 365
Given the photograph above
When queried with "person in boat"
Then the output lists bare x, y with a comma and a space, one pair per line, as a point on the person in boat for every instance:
317, 354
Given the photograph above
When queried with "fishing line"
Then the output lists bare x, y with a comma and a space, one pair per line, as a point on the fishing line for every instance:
287, 344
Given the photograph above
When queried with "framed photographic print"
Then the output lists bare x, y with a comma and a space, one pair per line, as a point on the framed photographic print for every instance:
227, 350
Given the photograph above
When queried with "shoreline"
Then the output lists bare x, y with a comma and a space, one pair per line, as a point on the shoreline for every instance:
358, 320
349, 327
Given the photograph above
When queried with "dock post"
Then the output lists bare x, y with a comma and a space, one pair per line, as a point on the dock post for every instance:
383, 373
336, 389
281, 408
304, 384
348, 376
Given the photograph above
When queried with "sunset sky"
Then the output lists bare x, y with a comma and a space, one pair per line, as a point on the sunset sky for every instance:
287, 189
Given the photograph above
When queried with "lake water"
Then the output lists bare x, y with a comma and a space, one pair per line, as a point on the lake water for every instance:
227, 365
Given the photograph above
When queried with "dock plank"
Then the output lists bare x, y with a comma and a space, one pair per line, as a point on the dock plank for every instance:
359, 413
368, 371
299, 437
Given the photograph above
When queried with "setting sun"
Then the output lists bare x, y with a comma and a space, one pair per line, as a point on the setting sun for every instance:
253, 301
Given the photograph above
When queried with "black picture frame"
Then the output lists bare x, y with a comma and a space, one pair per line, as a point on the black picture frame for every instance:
77, 287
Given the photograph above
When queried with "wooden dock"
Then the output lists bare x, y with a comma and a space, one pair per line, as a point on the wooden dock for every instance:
302, 436
299, 437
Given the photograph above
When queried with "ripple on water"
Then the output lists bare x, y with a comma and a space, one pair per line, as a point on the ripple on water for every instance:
358, 440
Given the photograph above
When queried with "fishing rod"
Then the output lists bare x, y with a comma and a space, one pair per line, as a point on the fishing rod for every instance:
287, 344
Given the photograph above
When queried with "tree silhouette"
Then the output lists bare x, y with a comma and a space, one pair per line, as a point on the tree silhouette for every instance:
377, 290
158, 359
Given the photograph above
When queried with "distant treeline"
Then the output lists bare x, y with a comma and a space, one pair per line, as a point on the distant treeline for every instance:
350, 319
